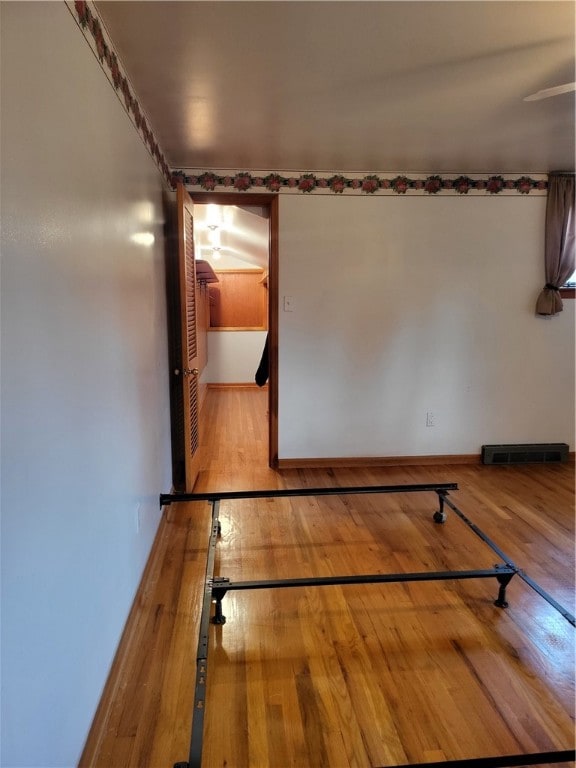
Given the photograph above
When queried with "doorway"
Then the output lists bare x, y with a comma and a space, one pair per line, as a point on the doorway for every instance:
266, 208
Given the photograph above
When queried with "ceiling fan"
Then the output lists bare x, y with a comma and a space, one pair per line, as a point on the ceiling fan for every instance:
547, 92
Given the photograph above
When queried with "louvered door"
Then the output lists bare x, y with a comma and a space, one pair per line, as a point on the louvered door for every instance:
189, 370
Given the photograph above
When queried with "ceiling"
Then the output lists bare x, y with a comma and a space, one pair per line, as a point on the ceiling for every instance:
421, 87
229, 237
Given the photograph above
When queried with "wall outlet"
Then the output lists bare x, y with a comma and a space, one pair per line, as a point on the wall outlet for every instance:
430, 418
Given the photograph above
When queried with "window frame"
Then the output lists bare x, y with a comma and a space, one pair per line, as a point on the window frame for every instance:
568, 290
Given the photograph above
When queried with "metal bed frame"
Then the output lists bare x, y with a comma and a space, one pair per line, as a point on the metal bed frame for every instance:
215, 589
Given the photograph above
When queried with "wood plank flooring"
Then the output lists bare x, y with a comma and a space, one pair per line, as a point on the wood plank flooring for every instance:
362, 675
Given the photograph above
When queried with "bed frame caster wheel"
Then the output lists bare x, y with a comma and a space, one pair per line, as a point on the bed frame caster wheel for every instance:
439, 517
503, 581
218, 617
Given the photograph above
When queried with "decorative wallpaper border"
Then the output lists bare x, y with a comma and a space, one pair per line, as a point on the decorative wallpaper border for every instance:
308, 182
244, 181
93, 29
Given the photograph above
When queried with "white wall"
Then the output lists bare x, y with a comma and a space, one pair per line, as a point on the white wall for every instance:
233, 356
85, 411
404, 305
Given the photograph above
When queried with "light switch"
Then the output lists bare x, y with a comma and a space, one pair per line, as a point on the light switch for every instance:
288, 304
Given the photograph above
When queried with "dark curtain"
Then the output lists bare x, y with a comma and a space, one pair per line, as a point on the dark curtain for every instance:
264, 367
559, 250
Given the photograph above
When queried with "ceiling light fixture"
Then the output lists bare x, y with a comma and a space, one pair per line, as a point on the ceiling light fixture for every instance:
213, 215
214, 238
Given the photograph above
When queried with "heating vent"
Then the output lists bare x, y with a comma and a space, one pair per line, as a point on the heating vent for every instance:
528, 453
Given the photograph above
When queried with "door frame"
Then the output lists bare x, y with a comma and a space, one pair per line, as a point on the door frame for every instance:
270, 201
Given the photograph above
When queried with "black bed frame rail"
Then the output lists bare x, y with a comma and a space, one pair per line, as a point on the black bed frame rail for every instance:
508, 560
532, 758
168, 498
222, 585
215, 589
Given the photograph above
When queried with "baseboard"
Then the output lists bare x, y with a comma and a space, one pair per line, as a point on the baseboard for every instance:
388, 461
238, 385
127, 641
379, 461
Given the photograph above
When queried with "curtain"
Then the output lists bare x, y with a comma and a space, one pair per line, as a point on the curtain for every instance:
559, 249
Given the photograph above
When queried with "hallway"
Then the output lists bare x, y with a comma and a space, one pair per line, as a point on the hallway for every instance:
234, 440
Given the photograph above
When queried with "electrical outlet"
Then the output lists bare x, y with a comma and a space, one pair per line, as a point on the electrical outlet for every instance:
430, 419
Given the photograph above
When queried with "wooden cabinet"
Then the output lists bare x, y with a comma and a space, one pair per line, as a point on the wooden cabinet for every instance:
239, 300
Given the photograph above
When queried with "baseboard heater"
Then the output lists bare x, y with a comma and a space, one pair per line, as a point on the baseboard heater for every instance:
525, 453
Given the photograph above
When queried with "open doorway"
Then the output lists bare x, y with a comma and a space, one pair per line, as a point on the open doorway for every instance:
236, 240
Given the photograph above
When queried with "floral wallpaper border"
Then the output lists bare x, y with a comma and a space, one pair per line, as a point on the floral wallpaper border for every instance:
92, 27
88, 20
244, 181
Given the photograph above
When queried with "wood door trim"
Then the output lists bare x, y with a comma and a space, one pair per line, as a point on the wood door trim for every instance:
273, 301
269, 201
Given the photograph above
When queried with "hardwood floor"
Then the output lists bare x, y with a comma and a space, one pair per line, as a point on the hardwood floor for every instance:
339, 676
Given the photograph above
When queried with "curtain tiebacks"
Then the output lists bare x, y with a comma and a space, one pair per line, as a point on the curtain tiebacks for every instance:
551, 287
